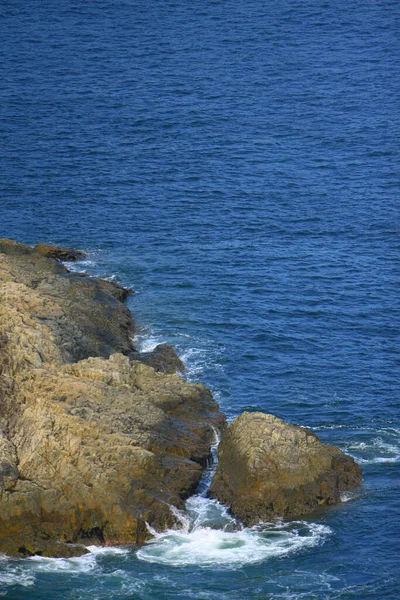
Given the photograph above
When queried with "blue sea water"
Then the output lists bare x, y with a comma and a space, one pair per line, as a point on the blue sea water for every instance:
237, 164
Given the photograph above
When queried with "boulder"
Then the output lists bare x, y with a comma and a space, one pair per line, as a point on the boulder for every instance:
93, 445
163, 359
268, 468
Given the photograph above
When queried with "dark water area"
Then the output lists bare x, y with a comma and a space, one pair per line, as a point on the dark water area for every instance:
237, 164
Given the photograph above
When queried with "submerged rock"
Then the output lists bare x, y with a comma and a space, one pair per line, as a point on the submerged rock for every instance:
93, 445
268, 468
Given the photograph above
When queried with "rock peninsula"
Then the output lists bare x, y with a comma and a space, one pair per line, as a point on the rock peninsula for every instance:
98, 440
94, 442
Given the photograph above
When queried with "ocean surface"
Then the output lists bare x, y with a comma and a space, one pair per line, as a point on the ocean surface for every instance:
237, 164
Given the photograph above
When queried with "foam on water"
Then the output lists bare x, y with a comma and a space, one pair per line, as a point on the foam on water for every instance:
108, 550
13, 573
198, 355
375, 451
200, 359
378, 460
348, 496
369, 445
22, 572
209, 535
80, 266
77, 565
204, 546
147, 342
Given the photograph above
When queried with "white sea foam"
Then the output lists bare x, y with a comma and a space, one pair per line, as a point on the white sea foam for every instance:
22, 572
106, 550
348, 496
13, 573
205, 546
181, 516
79, 564
376, 450
198, 359
209, 535
147, 343
79, 266
377, 460
199, 356
375, 443
194, 359
16, 575
378, 445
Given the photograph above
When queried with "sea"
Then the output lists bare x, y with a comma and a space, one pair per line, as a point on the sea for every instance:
237, 164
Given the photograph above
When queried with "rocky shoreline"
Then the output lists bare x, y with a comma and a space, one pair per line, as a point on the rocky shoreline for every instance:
93, 442
96, 439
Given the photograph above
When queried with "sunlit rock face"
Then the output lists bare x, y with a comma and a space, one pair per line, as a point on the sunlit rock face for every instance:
93, 444
269, 468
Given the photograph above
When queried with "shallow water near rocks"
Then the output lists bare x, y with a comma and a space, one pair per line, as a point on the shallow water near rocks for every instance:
237, 165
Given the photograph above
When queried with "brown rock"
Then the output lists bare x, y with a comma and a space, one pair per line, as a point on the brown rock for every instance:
59, 253
268, 468
83, 316
92, 444
60, 550
163, 359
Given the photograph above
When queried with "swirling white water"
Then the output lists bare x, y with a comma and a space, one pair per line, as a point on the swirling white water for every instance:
214, 545
208, 535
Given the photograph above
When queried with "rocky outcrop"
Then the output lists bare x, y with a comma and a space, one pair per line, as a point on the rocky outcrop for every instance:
163, 359
81, 316
93, 444
269, 468
63, 254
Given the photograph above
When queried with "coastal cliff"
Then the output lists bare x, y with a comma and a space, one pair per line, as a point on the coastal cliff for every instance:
94, 443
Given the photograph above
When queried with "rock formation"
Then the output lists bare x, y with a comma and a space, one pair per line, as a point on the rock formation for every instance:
98, 439
64, 254
163, 359
268, 468
93, 444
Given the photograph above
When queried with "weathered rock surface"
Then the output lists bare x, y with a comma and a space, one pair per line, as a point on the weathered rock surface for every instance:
64, 254
83, 316
163, 359
93, 444
268, 468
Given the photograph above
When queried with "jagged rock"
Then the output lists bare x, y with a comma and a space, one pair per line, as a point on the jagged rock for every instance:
48, 549
8, 464
64, 254
268, 468
82, 316
163, 359
92, 444
60, 550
